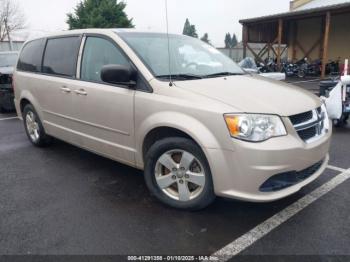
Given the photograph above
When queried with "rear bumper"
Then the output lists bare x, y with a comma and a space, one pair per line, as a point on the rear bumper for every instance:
241, 173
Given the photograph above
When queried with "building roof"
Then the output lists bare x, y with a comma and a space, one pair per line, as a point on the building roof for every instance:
343, 7
320, 3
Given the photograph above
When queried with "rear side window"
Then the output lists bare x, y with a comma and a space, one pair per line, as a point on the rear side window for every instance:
61, 56
31, 56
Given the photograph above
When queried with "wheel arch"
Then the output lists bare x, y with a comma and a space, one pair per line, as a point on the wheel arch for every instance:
28, 98
172, 124
23, 103
160, 133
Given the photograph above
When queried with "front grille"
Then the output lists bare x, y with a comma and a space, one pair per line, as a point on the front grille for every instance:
288, 179
308, 133
310, 124
301, 118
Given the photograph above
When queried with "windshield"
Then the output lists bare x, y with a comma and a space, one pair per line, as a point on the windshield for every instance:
189, 56
7, 60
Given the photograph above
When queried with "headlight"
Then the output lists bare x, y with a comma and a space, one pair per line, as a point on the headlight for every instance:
254, 127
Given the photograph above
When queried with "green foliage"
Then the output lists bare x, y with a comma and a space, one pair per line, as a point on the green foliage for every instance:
230, 42
205, 38
99, 14
189, 29
234, 40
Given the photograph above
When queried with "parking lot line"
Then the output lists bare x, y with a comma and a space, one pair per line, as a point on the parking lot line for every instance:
336, 168
270, 224
8, 118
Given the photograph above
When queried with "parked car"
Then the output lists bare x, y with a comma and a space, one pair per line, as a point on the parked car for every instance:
7, 62
198, 129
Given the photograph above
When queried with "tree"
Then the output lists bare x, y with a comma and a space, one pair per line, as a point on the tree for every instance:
189, 29
99, 14
228, 40
11, 18
205, 38
234, 40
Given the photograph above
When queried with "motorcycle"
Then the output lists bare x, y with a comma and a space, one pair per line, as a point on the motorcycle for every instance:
333, 68
269, 66
308, 69
289, 69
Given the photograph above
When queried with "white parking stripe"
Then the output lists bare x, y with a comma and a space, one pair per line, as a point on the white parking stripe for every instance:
336, 168
267, 226
8, 118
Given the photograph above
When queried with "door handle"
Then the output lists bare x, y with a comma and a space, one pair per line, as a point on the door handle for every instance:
81, 92
65, 89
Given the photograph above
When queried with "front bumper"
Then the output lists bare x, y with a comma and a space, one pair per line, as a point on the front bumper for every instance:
240, 173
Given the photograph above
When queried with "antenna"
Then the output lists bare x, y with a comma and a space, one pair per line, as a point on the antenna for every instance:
167, 33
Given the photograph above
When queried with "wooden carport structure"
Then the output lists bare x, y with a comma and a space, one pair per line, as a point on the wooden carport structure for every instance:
279, 30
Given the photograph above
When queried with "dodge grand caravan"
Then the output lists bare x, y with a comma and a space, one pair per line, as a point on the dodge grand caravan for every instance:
192, 119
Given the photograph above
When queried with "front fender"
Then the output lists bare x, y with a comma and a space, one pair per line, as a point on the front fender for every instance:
187, 124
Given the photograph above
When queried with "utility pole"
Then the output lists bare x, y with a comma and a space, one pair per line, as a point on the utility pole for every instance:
8, 34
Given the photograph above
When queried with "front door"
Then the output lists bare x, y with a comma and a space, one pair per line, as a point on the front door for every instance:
104, 112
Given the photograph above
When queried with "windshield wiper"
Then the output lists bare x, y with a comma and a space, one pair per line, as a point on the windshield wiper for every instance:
181, 76
223, 74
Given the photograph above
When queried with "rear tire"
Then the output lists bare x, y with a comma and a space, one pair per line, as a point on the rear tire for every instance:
178, 174
34, 128
301, 74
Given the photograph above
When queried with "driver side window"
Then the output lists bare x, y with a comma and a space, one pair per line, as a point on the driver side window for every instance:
99, 52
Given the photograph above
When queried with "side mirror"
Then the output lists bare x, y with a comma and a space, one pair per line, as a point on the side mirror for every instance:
345, 80
119, 75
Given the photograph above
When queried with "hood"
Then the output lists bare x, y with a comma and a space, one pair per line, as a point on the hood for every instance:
254, 94
8, 70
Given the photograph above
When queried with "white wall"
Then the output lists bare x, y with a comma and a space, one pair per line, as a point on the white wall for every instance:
5, 46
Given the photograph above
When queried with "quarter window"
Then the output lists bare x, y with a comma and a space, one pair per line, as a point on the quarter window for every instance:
99, 52
61, 56
31, 56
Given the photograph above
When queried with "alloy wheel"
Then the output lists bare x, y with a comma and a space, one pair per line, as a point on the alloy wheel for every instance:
180, 175
32, 126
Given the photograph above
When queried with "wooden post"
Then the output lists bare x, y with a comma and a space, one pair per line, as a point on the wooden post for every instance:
325, 44
294, 44
279, 51
245, 40
323, 22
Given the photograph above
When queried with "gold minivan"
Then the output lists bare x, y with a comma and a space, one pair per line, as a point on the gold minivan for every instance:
194, 121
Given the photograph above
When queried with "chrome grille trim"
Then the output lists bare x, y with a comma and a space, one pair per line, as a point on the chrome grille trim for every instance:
317, 125
316, 118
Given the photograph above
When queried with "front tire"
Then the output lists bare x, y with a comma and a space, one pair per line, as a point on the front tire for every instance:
34, 128
178, 174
